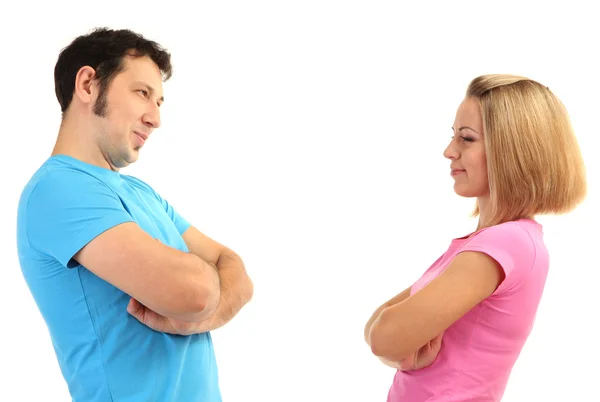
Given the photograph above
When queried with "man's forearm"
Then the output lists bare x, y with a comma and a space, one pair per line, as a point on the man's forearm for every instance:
212, 273
236, 290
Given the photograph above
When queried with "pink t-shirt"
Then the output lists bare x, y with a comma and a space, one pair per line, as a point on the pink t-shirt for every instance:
479, 350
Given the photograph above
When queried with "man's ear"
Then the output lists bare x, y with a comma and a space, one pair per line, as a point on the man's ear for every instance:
85, 85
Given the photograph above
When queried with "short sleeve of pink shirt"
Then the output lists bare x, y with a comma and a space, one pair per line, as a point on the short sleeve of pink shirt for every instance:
511, 245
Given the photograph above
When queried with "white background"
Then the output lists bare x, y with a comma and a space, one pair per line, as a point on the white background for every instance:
308, 137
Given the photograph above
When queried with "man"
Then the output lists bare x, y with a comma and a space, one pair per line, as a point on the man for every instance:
128, 288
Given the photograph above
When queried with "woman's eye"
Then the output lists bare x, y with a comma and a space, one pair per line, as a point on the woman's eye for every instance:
468, 139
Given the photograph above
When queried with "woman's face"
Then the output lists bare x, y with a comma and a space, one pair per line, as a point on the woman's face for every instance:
466, 151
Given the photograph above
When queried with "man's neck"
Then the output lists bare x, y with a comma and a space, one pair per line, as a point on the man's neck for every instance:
75, 140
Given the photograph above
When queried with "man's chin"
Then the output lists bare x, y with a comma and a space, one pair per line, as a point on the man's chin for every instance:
131, 158
135, 154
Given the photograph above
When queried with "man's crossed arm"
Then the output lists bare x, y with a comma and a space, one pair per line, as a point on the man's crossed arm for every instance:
171, 291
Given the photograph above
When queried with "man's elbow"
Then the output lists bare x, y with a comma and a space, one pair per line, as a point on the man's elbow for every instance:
248, 292
201, 302
207, 300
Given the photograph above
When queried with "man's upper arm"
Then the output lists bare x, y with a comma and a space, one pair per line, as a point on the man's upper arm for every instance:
203, 246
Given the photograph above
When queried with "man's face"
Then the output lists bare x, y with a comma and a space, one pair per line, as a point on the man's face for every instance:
128, 112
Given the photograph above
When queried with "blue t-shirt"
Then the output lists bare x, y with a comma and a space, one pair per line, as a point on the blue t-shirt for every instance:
104, 353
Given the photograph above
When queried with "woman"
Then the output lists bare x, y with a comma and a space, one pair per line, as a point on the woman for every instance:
455, 334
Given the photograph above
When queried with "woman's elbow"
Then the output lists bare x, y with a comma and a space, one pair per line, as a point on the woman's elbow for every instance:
386, 343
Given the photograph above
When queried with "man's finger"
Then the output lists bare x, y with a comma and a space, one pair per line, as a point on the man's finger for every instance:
133, 306
137, 310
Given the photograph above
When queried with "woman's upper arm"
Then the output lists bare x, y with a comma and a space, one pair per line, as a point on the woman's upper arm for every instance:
403, 328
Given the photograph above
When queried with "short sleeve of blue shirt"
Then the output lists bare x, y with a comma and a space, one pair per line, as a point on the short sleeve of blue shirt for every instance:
67, 209
180, 222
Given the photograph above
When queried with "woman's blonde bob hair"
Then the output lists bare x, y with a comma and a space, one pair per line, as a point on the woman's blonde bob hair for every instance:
534, 162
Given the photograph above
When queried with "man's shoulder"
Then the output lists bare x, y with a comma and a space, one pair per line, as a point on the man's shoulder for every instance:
54, 177
47, 172
59, 186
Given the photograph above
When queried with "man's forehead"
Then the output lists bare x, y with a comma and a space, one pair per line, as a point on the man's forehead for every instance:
143, 73
142, 67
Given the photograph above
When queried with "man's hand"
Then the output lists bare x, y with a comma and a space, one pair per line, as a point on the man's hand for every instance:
424, 357
165, 324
